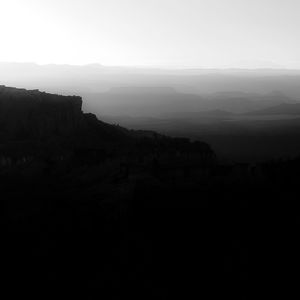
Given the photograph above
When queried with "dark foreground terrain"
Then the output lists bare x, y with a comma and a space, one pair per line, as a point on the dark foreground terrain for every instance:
146, 235
95, 211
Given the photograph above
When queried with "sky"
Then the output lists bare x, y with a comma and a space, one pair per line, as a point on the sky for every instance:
153, 33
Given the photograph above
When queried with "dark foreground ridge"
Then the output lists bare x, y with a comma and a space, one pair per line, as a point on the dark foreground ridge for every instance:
102, 212
45, 127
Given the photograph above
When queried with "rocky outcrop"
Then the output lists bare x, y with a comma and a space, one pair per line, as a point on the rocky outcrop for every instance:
31, 114
37, 127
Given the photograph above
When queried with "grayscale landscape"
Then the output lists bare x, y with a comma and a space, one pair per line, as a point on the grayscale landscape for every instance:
134, 137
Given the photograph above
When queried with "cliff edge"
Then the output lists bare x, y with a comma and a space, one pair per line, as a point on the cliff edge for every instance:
31, 114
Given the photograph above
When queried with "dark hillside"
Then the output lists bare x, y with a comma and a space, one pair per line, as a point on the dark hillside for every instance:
97, 211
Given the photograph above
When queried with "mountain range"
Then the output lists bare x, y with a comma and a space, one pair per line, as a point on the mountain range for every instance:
281, 109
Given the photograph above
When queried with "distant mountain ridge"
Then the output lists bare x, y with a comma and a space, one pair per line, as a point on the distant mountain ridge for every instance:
97, 78
143, 90
161, 102
281, 109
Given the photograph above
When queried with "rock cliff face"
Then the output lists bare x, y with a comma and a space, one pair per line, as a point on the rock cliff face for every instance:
31, 114
52, 129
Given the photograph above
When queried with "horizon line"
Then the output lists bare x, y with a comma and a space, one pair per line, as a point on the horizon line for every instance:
166, 68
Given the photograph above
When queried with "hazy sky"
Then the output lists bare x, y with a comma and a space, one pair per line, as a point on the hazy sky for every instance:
168, 33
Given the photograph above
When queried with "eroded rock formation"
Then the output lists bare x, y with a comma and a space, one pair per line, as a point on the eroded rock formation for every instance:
31, 114
37, 126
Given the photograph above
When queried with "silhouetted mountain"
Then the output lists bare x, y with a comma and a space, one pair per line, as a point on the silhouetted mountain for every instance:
36, 126
33, 114
114, 207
